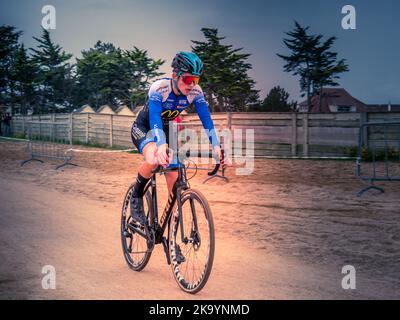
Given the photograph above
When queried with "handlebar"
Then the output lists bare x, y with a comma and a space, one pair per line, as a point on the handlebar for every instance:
161, 169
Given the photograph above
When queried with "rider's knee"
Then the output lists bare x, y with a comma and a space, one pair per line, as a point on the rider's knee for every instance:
149, 153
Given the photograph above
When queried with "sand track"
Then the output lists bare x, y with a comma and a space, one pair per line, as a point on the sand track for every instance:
282, 233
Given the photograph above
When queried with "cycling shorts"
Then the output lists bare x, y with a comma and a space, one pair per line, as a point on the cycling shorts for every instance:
140, 132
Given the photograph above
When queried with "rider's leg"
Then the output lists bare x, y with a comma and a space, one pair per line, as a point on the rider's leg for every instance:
150, 162
144, 175
144, 172
171, 177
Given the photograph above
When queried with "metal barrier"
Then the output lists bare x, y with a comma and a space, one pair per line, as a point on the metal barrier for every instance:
49, 140
378, 153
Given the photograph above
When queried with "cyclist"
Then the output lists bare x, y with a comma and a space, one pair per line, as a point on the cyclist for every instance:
167, 98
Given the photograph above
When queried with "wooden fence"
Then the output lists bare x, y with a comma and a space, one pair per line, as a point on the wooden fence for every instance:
275, 134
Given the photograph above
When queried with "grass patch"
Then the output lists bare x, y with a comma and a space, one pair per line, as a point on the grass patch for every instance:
369, 155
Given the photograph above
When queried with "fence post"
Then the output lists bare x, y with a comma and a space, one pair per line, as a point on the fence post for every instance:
40, 127
52, 127
294, 134
111, 130
305, 132
23, 125
71, 127
364, 119
87, 129
229, 120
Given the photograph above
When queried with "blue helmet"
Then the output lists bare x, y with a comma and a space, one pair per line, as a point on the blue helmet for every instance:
187, 62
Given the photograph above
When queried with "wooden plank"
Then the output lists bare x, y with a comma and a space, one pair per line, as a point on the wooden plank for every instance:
264, 129
124, 117
261, 116
333, 136
333, 123
383, 116
272, 153
351, 116
261, 122
122, 131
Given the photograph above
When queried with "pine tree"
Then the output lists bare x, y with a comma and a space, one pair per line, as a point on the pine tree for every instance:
140, 70
226, 83
312, 61
96, 72
54, 79
23, 73
326, 68
8, 47
109, 75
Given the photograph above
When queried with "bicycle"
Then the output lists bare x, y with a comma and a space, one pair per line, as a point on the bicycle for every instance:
188, 229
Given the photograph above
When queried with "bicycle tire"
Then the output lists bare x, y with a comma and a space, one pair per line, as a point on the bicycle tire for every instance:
180, 276
125, 218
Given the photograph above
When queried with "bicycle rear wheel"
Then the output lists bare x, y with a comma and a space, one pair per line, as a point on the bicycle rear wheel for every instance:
137, 240
196, 243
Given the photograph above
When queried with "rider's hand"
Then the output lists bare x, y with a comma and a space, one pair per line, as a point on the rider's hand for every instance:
218, 153
162, 157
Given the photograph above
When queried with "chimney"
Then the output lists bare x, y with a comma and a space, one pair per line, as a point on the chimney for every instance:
389, 107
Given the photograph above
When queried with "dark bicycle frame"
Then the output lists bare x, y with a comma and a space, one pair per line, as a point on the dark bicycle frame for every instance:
158, 227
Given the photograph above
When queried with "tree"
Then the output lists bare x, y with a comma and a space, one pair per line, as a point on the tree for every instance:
312, 61
96, 72
54, 78
277, 100
140, 69
23, 74
8, 47
226, 83
326, 68
109, 75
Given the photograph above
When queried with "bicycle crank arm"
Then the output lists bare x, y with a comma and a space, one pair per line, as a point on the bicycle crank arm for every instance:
166, 249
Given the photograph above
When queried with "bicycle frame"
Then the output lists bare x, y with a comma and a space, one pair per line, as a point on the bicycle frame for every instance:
157, 227
175, 195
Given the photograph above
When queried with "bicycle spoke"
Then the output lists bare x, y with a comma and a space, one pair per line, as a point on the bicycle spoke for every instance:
136, 252
187, 264
198, 250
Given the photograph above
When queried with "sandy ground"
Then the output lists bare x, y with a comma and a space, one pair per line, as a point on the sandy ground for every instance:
284, 232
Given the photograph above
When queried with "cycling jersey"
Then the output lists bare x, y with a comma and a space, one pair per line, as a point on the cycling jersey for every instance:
164, 106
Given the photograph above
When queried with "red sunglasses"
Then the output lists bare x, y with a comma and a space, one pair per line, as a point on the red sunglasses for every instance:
190, 79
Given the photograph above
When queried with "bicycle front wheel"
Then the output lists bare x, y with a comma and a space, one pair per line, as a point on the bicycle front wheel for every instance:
137, 240
192, 242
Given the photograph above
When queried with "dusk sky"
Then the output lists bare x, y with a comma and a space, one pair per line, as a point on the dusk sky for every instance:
165, 27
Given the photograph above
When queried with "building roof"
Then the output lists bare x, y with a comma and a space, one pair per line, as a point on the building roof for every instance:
105, 109
336, 97
86, 106
124, 109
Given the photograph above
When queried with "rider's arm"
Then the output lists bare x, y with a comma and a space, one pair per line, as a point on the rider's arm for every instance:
205, 117
156, 125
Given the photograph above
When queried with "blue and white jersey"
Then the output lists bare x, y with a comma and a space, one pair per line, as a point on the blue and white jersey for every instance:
165, 106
